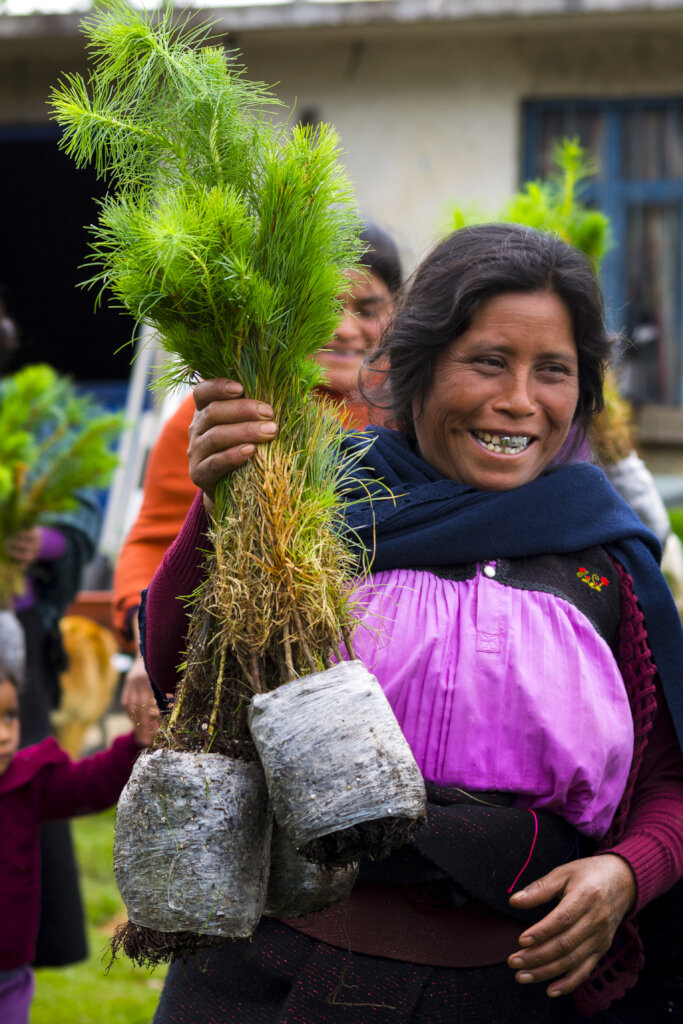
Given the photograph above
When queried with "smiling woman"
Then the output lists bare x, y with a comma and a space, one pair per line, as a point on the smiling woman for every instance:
483, 289
496, 648
504, 394
368, 306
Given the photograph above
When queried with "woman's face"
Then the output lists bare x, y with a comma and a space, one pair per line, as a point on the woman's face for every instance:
368, 305
503, 395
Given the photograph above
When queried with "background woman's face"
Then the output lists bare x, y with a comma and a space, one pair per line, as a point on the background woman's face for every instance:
503, 395
368, 305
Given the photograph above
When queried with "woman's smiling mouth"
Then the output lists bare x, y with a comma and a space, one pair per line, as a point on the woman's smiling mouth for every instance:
343, 352
502, 444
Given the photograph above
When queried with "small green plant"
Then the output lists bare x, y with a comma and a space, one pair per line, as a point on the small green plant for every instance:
555, 204
52, 442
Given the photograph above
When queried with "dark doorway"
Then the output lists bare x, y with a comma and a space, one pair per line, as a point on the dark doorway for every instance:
47, 202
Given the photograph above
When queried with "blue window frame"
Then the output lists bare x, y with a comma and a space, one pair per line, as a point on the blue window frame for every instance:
638, 145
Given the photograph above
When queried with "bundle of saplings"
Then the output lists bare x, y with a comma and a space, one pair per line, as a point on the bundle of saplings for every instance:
231, 236
53, 442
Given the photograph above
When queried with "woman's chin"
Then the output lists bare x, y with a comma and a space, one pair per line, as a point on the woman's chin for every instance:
338, 376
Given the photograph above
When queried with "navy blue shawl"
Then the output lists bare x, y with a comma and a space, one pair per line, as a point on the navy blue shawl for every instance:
431, 520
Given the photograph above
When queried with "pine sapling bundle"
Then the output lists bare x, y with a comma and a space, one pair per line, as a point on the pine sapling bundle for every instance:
231, 237
53, 442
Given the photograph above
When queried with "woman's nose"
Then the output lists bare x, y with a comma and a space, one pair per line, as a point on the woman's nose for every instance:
516, 396
348, 328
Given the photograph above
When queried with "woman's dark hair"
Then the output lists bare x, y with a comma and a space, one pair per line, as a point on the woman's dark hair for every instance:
465, 270
381, 256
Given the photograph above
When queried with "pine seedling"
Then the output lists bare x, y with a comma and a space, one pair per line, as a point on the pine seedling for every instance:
53, 442
555, 204
231, 238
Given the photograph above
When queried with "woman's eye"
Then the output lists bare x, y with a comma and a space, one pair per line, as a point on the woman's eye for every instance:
555, 370
490, 362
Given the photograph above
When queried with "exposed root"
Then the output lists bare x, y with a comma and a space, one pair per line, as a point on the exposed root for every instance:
256, 673
148, 947
276, 600
372, 839
301, 636
348, 643
289, 662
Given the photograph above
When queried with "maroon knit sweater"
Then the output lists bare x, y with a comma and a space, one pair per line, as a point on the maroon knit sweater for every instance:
43, 784
646, 829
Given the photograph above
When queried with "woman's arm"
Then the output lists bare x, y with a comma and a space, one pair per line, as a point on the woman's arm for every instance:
653, 842
164, 618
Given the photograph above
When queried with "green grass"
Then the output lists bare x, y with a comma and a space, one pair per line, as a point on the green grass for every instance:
85, 993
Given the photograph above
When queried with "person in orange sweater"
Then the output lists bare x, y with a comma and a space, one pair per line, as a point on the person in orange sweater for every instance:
168, 491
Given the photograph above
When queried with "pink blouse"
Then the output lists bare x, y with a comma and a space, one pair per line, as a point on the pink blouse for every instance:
498, 688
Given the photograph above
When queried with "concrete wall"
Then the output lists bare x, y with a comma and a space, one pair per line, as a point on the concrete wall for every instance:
428, 120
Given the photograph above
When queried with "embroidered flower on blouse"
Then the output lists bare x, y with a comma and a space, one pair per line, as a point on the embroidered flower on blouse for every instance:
593, 579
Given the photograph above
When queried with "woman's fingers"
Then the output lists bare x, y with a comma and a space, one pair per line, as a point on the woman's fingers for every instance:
571, 965
24, 547
570, 957
595, 893
225, 431
208, 391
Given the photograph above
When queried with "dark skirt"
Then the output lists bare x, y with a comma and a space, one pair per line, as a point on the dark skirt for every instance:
283, 976
61, 935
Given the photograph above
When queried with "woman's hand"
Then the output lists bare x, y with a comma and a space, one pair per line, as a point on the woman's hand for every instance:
595, 894
224, 431
24, 547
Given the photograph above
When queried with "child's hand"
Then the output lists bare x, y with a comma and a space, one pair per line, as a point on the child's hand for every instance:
139, 704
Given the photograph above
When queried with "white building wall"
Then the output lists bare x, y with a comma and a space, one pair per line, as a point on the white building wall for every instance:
428, 121
427, 114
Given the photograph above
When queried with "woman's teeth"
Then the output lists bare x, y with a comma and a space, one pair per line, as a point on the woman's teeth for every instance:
502, 444
344, 353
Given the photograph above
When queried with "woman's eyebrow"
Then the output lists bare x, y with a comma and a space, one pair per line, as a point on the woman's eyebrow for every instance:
482, 345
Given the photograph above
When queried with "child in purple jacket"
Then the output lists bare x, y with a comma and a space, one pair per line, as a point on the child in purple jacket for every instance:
39, 783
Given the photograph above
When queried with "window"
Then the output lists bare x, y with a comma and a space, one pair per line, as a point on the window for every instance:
639, 148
